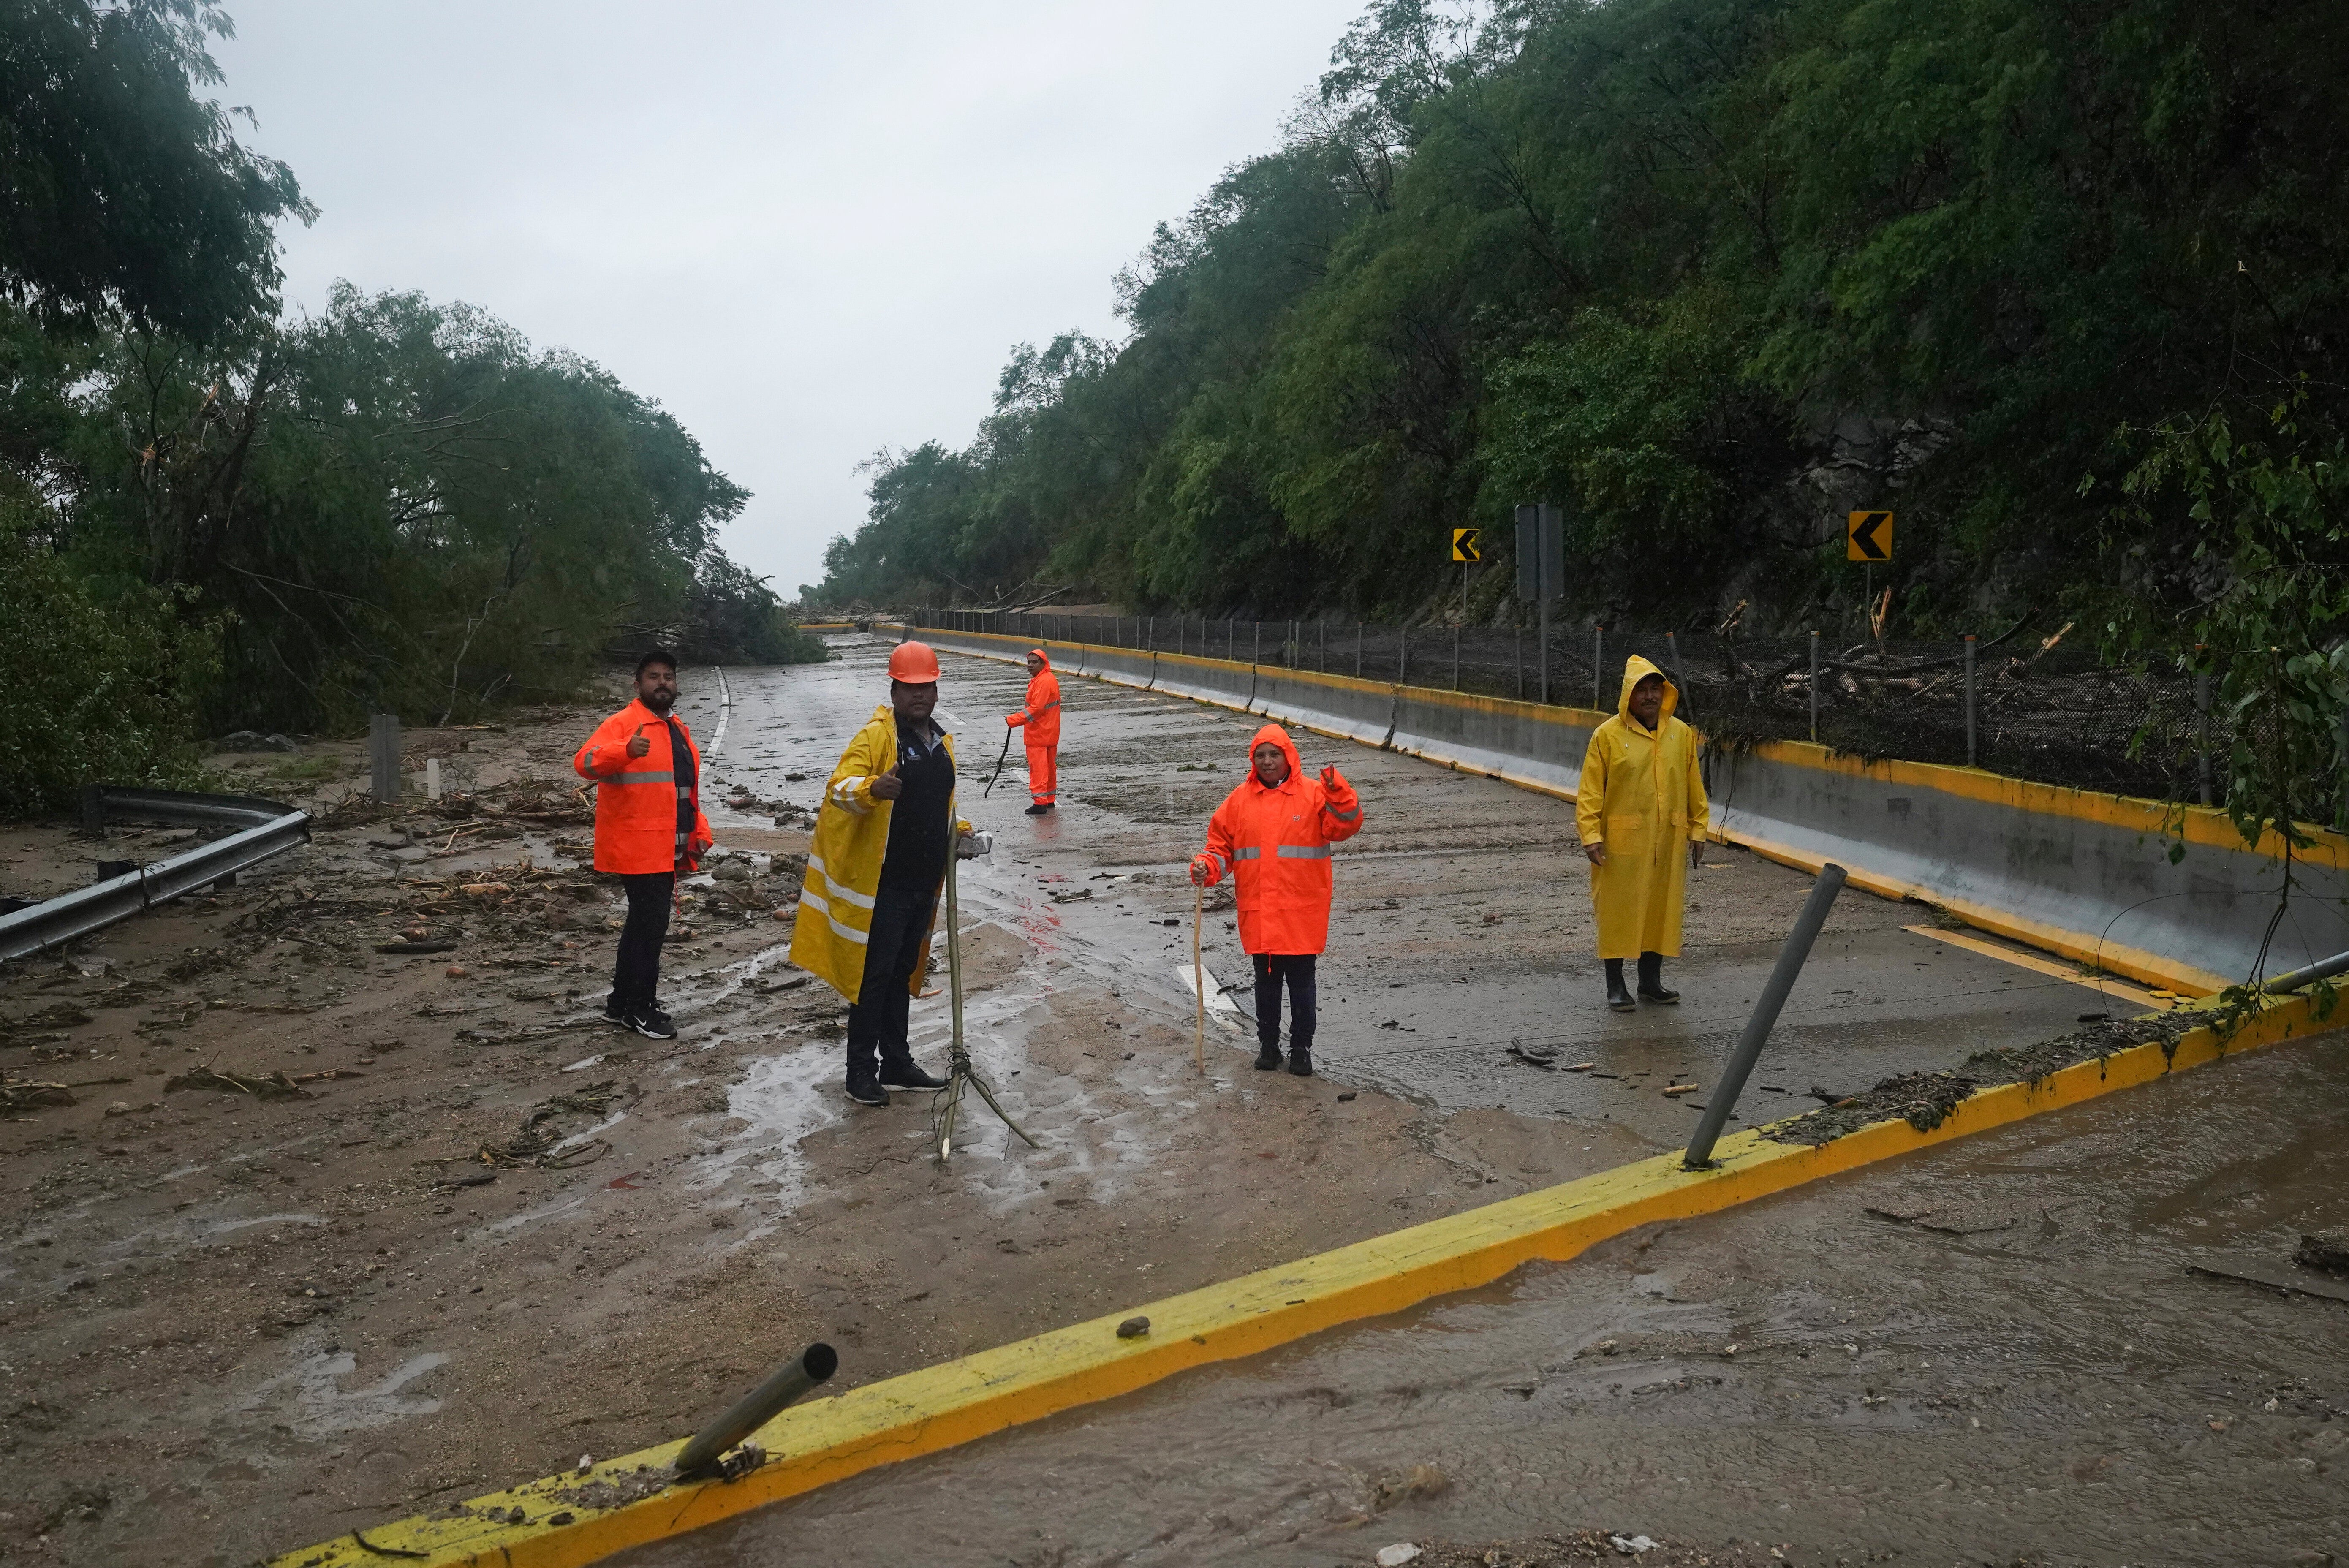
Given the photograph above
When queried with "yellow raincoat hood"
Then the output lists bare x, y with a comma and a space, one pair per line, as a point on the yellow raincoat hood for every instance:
1635, 670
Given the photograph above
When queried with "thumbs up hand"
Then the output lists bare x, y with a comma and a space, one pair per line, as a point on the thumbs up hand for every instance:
637, 745
888, 786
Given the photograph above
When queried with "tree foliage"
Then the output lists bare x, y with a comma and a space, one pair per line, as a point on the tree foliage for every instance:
1712, 272
212, 517
121, 190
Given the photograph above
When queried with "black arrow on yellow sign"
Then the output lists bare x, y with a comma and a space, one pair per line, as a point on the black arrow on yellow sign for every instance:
1869, 536
1464, 544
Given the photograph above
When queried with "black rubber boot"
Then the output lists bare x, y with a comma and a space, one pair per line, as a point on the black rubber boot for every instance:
1652, 980
1617, 996
1268, 1056
1300, 1061
907, 1073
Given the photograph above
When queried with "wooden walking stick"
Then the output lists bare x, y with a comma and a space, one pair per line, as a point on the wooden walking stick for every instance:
1198, 978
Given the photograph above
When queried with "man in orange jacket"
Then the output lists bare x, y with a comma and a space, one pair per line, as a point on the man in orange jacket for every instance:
649, 827
1042, 715
1273, 834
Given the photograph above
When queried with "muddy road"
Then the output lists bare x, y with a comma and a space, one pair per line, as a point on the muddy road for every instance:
1993, 1352
487, 1233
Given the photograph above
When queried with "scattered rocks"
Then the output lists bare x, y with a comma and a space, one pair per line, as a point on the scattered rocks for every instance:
1134, 1329
2326, 1252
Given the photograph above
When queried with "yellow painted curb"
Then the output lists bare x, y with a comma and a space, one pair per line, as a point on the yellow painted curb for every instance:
570, 1520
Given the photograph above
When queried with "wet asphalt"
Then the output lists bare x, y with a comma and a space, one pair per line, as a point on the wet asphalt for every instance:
1461, 924
1996, 1351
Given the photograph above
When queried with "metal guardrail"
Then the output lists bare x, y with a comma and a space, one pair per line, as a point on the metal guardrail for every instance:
266, 828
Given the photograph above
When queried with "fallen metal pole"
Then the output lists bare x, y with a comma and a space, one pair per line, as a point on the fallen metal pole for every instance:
2322, 969
1764, 1017
756, 1408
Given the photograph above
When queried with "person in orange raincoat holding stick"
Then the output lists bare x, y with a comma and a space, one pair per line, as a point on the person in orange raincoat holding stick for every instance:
1042, 715
1273, 834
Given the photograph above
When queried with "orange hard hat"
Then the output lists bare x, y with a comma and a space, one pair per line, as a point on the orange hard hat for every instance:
912, 663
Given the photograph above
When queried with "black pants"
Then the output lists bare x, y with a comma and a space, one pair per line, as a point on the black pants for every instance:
1271, 969
876, 1023
635, 975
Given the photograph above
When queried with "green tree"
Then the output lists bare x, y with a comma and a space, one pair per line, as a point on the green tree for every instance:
121, 190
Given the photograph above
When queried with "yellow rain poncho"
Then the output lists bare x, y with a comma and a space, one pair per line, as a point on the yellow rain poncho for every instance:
1642, 795
843, 869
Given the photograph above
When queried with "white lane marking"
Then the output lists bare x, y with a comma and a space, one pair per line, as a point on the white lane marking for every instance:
725, 713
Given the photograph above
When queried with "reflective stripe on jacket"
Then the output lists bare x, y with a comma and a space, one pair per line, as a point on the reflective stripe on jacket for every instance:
1642, 795
635, 797
1275, 843
1041, 710
843, 869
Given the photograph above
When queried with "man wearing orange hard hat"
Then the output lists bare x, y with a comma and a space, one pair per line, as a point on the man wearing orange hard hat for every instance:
870, 900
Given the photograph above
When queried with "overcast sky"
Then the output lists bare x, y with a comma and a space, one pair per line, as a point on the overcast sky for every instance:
809, 230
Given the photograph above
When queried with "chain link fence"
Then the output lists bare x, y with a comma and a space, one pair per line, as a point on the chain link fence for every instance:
2026, 705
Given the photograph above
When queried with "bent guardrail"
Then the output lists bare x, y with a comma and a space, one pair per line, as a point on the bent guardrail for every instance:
265, 828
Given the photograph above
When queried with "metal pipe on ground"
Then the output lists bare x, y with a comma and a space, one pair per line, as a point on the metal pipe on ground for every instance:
2322, 969
1764, 1017
756, 1408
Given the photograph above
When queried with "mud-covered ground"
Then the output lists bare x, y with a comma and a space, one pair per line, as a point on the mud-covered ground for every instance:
2031, 1346
486, 1233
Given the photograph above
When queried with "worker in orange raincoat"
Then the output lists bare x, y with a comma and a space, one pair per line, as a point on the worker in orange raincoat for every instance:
1642, 796
648, 827
1042, 715
1273, 834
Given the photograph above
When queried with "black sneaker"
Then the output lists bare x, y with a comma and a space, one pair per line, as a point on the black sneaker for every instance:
907, 1073
1040, 808
1268, 1056
650, 1021
615, 1014
1301, 1061
867, 1091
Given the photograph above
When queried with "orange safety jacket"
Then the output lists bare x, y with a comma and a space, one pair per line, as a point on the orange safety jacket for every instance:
637, 797
1041, 713
1275, 843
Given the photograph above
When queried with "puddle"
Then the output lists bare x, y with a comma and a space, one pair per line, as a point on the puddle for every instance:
312, 1401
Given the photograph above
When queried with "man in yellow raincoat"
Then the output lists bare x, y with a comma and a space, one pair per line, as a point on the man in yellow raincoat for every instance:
1641, 799
873, 873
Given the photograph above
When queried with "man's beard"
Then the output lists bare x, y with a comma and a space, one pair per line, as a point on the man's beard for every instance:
659, 702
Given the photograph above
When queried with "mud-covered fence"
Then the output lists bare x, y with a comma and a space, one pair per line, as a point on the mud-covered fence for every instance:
2039, 706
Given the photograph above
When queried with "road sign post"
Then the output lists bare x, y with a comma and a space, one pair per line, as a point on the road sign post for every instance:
1541, 570
1868, 539
1464, 550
